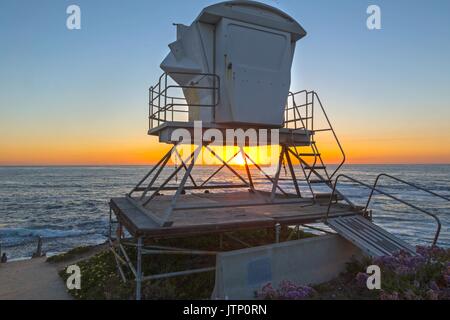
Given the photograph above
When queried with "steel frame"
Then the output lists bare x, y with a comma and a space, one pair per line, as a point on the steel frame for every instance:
118, 248
151, 190
163, 107
374, 189
118, 245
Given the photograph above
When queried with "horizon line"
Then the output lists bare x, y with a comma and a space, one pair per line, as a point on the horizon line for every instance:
202, 165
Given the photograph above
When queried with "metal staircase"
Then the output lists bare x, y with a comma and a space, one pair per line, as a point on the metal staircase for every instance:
359, 229
302, 110
370, 238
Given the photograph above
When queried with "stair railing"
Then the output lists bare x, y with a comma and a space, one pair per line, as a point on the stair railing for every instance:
341, 149
375, 189
303, 116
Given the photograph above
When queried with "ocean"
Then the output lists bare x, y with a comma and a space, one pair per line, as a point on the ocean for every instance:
68, 206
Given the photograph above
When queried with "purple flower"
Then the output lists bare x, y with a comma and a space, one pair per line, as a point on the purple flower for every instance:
389, 296
433, 286
361, 279
287, 291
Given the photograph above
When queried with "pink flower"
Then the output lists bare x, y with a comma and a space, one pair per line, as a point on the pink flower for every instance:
287, 291
361, 279
389, 296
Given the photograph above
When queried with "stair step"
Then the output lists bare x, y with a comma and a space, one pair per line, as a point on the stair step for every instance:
319, 181
309, 154
326, 196
372, 239
315, 168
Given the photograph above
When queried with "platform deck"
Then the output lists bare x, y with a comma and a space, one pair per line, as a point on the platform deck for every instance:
286, 136
224, 219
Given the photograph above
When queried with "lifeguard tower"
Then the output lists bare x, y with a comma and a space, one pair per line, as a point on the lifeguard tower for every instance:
231, 69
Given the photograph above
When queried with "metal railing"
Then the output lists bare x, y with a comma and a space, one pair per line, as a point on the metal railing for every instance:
303, 115
167, 101
375, 189
299, 116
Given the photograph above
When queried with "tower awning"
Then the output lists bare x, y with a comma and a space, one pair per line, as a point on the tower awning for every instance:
270, 17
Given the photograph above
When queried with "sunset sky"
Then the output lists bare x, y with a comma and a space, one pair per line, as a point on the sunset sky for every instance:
80, 97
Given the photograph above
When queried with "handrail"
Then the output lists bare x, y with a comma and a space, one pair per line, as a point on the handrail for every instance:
344, 157
162, 105
373, 188
404, 182
307, 121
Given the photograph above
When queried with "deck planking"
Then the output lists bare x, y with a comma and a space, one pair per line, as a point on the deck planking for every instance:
221, 219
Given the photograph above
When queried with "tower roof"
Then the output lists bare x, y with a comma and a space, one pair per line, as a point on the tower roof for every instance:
253, 12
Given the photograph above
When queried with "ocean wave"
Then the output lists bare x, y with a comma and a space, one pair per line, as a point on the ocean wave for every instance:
6, 233
68, 206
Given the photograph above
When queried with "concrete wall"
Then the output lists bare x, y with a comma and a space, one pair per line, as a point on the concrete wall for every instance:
310, 261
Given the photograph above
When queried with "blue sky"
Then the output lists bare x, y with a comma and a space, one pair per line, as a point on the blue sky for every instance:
61, 88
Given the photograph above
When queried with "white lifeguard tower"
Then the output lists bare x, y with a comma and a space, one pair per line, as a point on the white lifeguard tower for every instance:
231, 69
248, 49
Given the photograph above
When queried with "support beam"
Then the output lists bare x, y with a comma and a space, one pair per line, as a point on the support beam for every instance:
185, 167
247, 169
291, 169
265, 174
277, 232
218, 170
167, 157
182, 184
178, 274
152, 170
301, 161
166, 181
227, 165
212, 187
139, 269
277, 176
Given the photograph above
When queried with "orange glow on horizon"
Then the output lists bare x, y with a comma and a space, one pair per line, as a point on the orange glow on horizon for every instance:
47, 149
150, 153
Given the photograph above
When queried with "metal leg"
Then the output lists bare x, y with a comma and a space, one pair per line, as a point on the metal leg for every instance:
166, 181
277, 176
139, 269
247, 169
184, 166
291, 169
227, 165
151, 171
277, 232
265, 174
302, 162
218, 170
167, 158
110, 224
182, 184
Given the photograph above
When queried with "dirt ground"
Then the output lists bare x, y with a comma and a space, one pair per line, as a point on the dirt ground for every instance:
32, 279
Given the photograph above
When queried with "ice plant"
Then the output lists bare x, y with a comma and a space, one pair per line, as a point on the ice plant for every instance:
287, 291
403, 276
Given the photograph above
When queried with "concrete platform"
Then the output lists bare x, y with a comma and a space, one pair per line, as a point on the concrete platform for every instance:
189, 219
